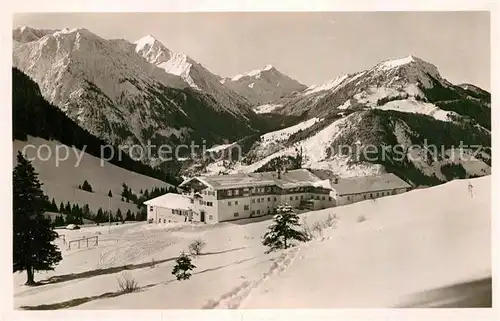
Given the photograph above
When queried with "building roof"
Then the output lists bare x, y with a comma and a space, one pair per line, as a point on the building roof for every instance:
171, 200
289, 179
366, 184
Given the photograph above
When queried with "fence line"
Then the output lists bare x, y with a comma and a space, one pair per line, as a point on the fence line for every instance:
85, 240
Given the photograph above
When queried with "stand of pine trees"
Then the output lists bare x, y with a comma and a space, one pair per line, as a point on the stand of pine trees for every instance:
86, 187
282, 233
33, 234
128, 195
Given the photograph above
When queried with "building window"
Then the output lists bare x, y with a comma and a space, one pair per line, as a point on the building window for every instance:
246, 207
317, 197
364, 196
296, 198
258, 200
229, 193
253, 201
291, 198
228, 203
258, 211
348, 198
236, 214
253, 212
323, 198
210, 217
275, 199
330, 198
235, 202
192, 201
236, 192
173, 211
301, 197
151, 208
268, 199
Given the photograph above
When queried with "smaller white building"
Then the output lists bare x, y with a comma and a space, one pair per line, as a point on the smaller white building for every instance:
357, 189
169, 208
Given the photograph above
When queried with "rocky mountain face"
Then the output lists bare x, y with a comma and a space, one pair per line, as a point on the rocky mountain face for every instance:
399, 116
192, 72
261, 86
111, 90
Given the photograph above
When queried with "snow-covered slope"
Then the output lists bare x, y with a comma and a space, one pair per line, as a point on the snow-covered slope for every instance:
114, 93
61, 180
260, 86
411, 243
197, 76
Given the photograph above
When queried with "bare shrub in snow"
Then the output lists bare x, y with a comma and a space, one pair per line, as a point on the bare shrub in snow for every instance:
330, 221
307, 231
318, 228
361, 218
153, 263
196, 246
127, 284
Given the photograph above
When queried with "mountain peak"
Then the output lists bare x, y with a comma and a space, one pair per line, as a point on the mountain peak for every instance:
253, 73
148, 40
268, 67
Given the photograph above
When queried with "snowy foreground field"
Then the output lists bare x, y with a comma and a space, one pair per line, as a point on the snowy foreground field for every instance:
426, 248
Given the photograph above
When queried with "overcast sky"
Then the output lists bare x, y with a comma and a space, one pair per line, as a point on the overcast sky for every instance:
310, 47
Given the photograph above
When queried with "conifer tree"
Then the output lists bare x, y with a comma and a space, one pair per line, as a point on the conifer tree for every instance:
110, 194
119, 216
53, 206
99, 218
33, 233
128, 216
61, 208
67, 208
282, 231
183, 267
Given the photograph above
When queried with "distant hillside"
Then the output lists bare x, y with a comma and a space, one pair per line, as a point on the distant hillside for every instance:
37, 123
33, 115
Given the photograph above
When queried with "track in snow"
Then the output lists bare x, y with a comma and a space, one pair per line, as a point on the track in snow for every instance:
234, 298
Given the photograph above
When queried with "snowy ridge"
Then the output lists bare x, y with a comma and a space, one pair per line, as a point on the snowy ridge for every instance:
284, 134
253, 73
325, 86
266, 108
262, 86
193, 73
173, 63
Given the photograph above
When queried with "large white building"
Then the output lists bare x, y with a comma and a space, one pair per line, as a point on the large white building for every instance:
220, 198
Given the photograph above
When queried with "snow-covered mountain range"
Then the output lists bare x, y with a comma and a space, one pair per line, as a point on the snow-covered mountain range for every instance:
132, 92
193, 73
260, 86
397, 103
